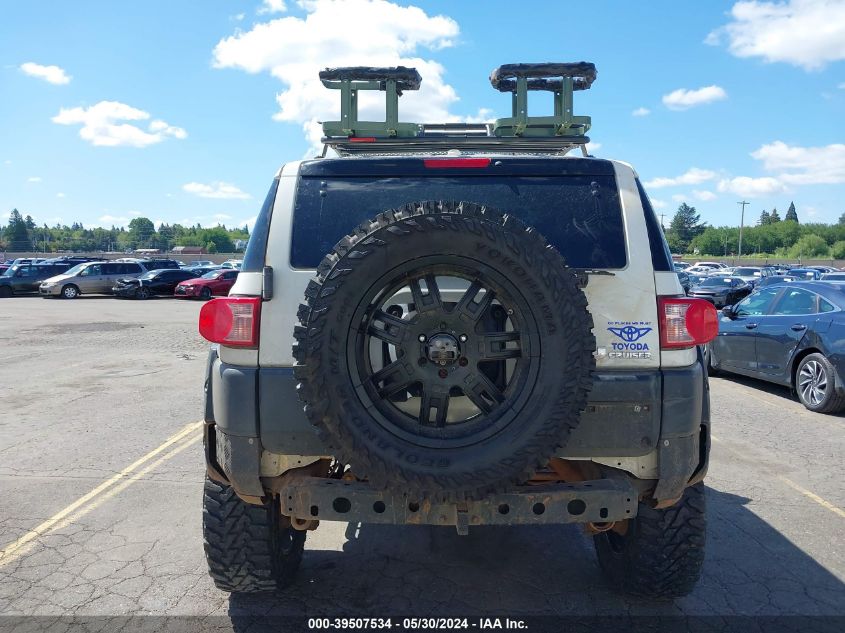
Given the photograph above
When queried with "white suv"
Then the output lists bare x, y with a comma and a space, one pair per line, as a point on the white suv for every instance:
494, 335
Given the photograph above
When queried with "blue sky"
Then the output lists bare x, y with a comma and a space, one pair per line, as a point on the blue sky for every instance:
182, 111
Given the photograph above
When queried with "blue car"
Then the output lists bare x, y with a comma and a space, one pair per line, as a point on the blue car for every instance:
790, 334
805, 273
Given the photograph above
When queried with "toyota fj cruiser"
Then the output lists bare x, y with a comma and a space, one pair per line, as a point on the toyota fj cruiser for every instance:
492, 333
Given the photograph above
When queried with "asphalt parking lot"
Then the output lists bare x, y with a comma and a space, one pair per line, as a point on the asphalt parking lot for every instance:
101, 473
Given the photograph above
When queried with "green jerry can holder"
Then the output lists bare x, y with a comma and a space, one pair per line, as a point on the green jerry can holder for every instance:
518, 134
562, 79
349, 80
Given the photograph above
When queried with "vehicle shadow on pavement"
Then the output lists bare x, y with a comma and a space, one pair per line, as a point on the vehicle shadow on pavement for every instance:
751, 569
769, 388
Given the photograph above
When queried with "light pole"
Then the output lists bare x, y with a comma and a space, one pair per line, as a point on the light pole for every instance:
741, 224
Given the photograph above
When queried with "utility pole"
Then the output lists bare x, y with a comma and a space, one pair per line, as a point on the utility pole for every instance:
741, 224
662, 226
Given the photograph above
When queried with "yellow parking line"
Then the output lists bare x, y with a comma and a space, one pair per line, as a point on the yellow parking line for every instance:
79, 506
811, 495
807, 493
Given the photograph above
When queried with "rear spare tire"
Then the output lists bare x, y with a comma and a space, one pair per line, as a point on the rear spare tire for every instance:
444, 350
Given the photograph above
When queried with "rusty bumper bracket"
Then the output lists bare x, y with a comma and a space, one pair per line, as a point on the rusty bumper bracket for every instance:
598, 501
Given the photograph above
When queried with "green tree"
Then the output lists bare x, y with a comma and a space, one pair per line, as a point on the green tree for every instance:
810, 246
791, 214
685, 226
211, 247
141, 232
765, 218
17, 232
774, 216
841, 219
837, 251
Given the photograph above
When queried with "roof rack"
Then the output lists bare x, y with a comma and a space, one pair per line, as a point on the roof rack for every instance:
518, 134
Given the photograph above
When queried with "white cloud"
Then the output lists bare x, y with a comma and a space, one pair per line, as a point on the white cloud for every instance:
748, 187
222, 190
222, 216
61, 195
239, 17
703, 195
111, 220
679, 197
7, 162
804, 165
641, 112
593, 147
693, 176
658, 204
51, 74
272, 6
366, 32
805, 33
103, 124
134, 214
683, 99
34, 179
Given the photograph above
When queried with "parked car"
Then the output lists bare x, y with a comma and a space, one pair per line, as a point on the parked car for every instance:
684, 278
824, 269
216, 282
24, 278
199, 271
776, 279
711, 264
809, 274
721, 291
680, 266
701, 270
232, 263
200, 262
791, 334
154, 282
89, 278
840, 276
156, 263
752, 274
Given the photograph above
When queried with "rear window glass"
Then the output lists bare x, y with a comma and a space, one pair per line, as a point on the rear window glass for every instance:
580, 215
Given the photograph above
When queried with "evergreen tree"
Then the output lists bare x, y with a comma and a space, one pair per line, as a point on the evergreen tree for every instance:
791, 214
685, 226
774, 217
16, 233
765, 218
842, 219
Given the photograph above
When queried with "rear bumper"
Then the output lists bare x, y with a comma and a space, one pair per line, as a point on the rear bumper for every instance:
629, 414
600, 501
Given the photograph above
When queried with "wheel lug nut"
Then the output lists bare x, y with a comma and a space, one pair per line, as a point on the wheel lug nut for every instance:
421, 338
463, 362
463, 338
443, 373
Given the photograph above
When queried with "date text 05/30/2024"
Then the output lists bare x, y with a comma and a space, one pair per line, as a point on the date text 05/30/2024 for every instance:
415, 624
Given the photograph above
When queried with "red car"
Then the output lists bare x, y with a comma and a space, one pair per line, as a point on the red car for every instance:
216, 282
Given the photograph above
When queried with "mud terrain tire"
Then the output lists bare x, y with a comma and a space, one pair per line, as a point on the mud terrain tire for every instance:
249, 548
556, 340
661, 555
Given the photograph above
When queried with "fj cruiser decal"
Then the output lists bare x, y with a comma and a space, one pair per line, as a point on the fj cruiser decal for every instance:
629, 345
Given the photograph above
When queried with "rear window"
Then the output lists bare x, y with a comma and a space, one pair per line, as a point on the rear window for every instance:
579, 214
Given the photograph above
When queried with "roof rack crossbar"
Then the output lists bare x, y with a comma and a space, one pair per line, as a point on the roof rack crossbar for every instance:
350, 79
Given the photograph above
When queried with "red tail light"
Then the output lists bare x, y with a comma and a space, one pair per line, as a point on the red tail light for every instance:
456, 163
362, 139
231, 321
686, 322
